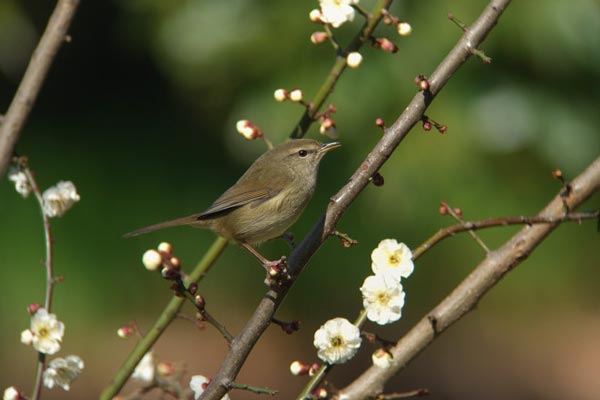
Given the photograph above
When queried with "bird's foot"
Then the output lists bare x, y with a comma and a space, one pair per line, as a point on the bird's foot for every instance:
276, 272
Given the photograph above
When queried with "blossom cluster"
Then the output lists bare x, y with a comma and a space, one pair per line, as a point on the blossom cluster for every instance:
45, 335
338, 339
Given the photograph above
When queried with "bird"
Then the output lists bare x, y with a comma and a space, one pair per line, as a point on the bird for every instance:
266, 200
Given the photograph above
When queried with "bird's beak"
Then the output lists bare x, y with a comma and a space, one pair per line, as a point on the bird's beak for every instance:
327, 147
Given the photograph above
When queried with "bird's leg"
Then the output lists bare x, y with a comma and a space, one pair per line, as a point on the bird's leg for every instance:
289, 238
265, 263
276, 271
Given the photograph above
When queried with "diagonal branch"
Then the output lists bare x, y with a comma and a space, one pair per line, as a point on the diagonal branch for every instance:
29, 88
466, 295
245, 341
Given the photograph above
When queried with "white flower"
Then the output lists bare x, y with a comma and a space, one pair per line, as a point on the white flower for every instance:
198, 384
337, 341
382, 358
21, 182
144, 371
393, 258
62, 371
60, 198
11, 393
383, 298
354, 59
27, 337
47, 332
336, 12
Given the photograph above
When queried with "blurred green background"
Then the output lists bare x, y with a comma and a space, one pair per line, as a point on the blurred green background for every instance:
139, 112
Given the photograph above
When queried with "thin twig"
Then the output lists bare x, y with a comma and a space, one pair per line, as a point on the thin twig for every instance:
495, 222
253, 389
403, 395
50, 281
34, 77
471, 231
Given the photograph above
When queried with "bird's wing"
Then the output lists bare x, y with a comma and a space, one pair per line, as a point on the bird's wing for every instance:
232, 199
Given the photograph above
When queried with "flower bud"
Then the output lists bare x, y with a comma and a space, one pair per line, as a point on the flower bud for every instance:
33, 307
298, 368
200, 302
11, 393
315, 15
442, 128
321, 393
296, 95
404, 29
193, 288
426, 125
247, 129
175, 263
281, 95
379, 122
125, 331
152, 260
318, 37
165, 247
386, 45
27, 337
328, 128
165, 368
354, 59
382, 358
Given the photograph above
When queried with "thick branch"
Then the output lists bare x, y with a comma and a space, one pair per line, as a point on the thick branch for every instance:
34, 77
245, 341
467, 294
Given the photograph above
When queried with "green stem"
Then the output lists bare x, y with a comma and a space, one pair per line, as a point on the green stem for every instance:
169, 314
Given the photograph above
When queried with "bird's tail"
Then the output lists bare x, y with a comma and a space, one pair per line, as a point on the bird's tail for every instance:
190, 219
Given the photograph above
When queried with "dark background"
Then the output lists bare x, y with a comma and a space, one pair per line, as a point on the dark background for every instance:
139, 111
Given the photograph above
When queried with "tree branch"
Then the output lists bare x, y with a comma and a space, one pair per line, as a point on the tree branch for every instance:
467, 294
34, 77
245, 341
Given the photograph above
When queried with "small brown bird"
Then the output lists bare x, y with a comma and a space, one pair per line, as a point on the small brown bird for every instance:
265, 201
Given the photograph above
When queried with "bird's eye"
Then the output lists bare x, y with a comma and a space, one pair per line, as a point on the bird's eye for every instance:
302, 153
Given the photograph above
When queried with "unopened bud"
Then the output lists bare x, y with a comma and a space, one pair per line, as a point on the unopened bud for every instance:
296, 95
328, 128
387, 45
404, 29
170, 274
423, 83
192, 288
321, 393
33, 307
458, 212
125, 331
354, 59
27, 337
315, 15
442, 128
426, 125
377, 179
200, 302
314, 368
247, 129
175, 263
318, 37
379, 122
382, 358
273, 271
298, 368
152, 260
11, 393
166, 248
280, 95
165, 368
557, 174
